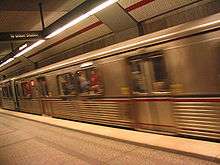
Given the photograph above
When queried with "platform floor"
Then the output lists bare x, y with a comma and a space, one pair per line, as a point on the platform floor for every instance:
26, 142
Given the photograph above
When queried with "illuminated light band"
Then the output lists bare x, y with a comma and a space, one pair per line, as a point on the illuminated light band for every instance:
87, 64
82, 17
29, 48
22, 47
23, 52
6, 62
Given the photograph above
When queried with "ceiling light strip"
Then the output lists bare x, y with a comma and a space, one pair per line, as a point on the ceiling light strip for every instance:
29, 48
82, 17
22, 47
6, 62
23, 52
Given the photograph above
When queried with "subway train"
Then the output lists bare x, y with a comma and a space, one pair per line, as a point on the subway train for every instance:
167, 82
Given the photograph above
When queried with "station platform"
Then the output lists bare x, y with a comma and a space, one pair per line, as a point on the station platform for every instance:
32, 139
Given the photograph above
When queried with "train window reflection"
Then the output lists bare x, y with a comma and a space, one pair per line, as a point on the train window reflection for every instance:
5, 92
159, 74
148, 73
1, 93
42, 85
26, 89
67, 84
17, 90
138, 77
10, 91
90, 82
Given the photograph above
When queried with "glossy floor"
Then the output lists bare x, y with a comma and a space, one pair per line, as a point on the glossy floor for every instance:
27, 142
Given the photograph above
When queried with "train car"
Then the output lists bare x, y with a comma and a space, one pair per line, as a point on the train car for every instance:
165, 82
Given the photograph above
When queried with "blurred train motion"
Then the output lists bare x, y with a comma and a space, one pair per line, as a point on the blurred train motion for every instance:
165, 82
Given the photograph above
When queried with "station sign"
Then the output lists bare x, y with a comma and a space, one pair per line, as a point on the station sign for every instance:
10, 36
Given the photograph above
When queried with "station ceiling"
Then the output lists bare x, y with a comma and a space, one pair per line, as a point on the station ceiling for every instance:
24, 15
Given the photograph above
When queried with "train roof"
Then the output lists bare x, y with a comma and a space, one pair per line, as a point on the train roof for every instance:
183, 30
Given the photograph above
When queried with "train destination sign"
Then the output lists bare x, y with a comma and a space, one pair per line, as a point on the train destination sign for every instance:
8, 36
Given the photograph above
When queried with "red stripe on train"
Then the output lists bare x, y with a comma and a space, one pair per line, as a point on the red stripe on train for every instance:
183, 99
154, 99
165, 99
197, 100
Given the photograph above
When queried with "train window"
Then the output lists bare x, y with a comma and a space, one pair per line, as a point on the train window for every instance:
159, 74
17, 90
10, 91
148, 73
67, 84
26, 89
5, 92
42, 85
138, 77
89, 81
1, 95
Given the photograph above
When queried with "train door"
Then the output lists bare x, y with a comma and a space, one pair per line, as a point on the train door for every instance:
12, 97
147, 75
140, 74
1, 95
43, 93
150, 92
142, 92
16, 94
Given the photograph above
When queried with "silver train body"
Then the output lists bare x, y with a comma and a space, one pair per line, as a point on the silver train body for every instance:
165, 82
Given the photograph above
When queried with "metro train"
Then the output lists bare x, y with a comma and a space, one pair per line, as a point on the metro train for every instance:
166, 82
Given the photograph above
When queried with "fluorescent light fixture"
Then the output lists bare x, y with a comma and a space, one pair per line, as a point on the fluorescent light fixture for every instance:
23, 51
102, 6
72, 23
7, 61
22, 47
29, 48
82, 17
86, 64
